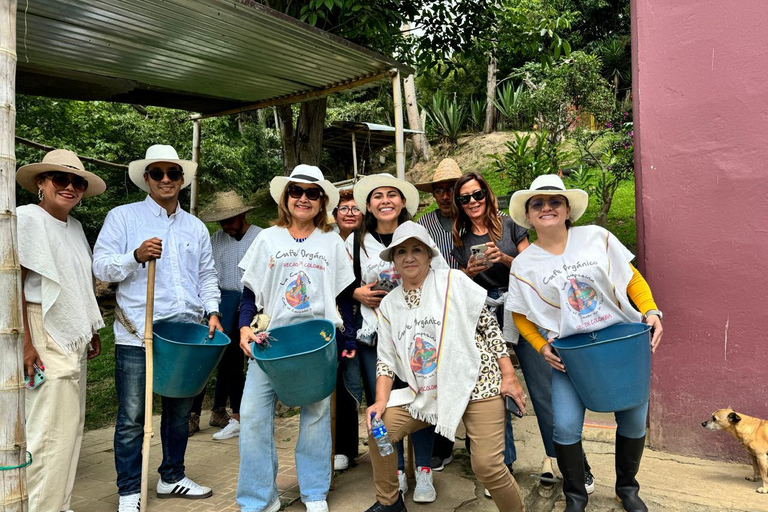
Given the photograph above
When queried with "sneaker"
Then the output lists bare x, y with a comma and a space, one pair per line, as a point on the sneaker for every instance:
402, 479
194, 424
398, 506
184, 488
219, 418
274, 507
317, 506
424, 492
340, 462
231, 430
438, 463
589, 478
130, 503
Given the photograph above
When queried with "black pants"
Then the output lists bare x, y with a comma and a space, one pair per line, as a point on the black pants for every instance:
230, 380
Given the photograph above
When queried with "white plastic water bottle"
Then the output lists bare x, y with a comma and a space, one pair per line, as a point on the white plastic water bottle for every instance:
379, 432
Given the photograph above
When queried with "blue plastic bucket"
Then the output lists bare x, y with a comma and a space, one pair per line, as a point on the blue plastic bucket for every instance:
229, 307
610, 368
184, 357
300, 361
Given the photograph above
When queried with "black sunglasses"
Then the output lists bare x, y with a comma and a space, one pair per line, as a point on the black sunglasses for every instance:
61, 180
477, 195
312, 193
538, 203
173, 174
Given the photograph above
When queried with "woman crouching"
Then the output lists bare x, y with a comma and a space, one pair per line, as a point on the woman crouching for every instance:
437, 335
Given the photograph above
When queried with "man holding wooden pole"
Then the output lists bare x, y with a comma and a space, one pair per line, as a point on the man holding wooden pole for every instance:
187, 288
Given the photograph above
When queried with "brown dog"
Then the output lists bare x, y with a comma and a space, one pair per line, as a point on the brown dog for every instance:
752, 433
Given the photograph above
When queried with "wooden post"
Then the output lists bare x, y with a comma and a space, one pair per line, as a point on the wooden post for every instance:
354, 157
13, 444
149, 315
399, 138
196, 159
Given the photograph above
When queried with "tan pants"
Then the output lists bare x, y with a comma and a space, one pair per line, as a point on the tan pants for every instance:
484, 421
55, 414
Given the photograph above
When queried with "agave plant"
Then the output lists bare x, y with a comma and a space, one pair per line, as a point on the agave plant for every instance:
447, 117
477, 111
510, 100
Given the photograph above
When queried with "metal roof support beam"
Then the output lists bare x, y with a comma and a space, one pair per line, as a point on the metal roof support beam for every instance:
397, 99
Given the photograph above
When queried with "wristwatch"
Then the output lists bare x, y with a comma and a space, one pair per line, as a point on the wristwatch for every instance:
212, 313
654, 312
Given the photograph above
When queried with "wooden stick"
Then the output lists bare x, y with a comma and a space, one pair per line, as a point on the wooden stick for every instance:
148, 317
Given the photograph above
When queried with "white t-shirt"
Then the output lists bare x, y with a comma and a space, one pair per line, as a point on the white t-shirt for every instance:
581, 290
297, 281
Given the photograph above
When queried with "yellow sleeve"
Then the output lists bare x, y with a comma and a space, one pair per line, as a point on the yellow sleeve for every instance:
639, 291
529, 331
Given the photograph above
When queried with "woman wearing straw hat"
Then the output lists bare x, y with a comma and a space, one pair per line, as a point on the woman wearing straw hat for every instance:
61, 317
546, 289
437, 335
293, 272
386, 202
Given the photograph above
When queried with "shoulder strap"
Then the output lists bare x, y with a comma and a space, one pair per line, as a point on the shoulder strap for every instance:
356, 256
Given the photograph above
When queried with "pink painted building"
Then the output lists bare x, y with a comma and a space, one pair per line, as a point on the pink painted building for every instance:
700, 86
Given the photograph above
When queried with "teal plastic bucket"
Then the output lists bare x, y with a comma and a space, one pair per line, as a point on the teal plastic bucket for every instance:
229, 307
610, 368
300, 361
184, 357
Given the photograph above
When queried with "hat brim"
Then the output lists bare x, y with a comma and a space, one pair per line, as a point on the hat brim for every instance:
137, 168
578, 200
387, 254
427, 187
26, 175
278, 184
365, 186
218, 215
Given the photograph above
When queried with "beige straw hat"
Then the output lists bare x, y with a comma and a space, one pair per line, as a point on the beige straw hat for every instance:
225, 205
59, 160
447, 170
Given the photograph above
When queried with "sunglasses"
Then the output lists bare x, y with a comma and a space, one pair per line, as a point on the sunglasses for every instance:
477, 195
61, 180
538, 203
439, 191
173, 174
354, 210
312, 193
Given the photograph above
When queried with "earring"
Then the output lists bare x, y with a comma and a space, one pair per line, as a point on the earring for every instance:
40, 194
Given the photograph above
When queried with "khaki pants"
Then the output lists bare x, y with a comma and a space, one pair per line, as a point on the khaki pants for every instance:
55, 414
484, 421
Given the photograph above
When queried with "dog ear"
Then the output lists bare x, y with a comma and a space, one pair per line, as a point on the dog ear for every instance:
734, 418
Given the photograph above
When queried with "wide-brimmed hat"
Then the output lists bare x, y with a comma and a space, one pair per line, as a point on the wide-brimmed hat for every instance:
447, 171
303, 173
59, 160
368, 184
547, 185
225, 205
404, 231
160, 153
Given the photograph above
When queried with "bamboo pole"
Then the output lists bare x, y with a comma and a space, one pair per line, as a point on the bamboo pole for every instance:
196, 159
148, 317
354, 157
13, 444
397, 99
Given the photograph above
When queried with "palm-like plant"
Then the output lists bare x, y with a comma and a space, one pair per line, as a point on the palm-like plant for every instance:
448, 118
510, 100
617, 61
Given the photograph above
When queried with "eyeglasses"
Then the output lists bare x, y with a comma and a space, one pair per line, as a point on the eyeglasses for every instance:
554, 202
354, 210
61, 180
477, 195
173, 174
312, 193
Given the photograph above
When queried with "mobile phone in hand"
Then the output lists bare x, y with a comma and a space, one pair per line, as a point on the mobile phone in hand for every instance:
478, 251
37, 381
512, 407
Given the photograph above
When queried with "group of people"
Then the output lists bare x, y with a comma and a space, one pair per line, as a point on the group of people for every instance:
422, 311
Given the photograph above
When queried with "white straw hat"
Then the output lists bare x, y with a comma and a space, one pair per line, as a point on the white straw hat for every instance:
160, 153
368, 184
303, 173
547, 185
225, 205
59, 160
404, 231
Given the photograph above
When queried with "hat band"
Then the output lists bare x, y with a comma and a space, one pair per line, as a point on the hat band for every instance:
303, 177
70, 167
550, 188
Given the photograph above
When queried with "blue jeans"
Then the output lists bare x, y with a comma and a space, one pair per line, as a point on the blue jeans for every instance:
569, 414
129, 430
256, 486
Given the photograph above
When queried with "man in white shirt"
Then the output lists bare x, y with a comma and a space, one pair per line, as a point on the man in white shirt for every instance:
186, 288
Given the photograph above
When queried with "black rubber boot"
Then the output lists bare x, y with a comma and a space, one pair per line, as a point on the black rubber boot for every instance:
628, 454
570, 459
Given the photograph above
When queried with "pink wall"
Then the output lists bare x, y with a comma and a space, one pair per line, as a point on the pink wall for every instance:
700, 86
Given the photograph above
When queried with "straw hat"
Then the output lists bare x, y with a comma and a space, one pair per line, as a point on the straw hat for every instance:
404, 231
160, 153
303, 173
59, 160
447, 170
368, 184
225, 205
547, 185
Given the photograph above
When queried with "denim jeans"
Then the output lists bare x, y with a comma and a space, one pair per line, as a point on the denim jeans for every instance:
129, 430
538, 379
569, 414
256, 486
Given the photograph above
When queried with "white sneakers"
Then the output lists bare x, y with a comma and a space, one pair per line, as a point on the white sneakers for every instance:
402, 479
340, 462
184, 488
231, 430
129, 503
274, 507
316, 506
424, 492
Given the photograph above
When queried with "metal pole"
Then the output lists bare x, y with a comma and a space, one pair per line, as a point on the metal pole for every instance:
196, 159
354, 157
399, 138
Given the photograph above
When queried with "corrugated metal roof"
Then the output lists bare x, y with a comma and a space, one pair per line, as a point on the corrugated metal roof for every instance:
204, 55
369, 137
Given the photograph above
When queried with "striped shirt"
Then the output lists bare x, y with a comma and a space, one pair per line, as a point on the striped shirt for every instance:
227, 253
443, 238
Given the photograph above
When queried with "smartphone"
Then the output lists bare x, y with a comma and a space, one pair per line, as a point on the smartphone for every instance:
512, 406
385, 285
478, 251
39, 379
